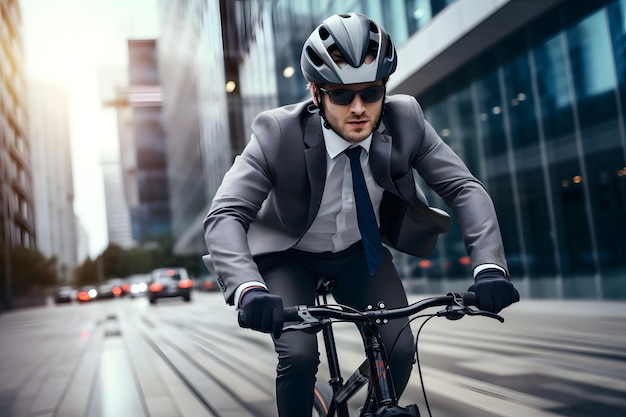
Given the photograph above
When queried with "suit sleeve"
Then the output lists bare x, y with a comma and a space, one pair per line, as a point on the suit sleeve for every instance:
444, 171
235, 205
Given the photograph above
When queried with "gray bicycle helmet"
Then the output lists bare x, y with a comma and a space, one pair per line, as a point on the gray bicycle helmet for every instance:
354, 36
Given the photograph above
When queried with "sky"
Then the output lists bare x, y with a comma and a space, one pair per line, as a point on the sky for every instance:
68, 43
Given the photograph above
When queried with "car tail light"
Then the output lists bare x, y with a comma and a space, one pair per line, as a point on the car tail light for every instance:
83, 296
185, 283
208, 285
126, 288
156, 287
117, 291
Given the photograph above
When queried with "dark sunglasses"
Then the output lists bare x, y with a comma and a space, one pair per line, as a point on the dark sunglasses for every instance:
345, 97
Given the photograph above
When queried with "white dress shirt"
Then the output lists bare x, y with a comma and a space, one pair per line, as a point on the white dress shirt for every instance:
335, 227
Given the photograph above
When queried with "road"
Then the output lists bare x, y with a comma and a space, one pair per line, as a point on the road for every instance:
126, 358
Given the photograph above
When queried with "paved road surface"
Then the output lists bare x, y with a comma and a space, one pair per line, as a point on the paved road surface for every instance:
125, 358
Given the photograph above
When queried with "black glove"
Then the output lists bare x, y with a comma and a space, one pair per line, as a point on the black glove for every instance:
494, 290
262, 311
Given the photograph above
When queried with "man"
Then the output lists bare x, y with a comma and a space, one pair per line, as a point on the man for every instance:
289, 211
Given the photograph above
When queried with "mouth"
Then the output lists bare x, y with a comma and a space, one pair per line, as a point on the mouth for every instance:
358, 124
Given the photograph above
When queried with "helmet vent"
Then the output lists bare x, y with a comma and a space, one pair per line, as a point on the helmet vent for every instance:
373, 27
314, 57
389, 49
323, 33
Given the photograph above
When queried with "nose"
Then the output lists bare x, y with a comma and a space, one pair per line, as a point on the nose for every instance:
357, 106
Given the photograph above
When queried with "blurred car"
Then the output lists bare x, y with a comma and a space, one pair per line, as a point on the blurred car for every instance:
110, 289
205, 284
63, 294
137, 285
169, 282
87, 293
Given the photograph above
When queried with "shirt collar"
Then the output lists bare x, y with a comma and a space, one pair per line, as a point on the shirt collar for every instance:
335, 144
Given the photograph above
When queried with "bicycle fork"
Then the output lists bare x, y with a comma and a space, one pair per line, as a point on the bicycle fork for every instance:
385, 402
373, 370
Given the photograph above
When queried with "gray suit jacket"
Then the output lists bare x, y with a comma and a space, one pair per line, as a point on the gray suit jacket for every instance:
272, 193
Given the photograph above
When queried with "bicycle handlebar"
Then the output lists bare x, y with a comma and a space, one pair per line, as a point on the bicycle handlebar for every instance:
457, 305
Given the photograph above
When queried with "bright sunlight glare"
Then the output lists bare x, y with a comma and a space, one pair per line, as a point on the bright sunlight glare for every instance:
71, 43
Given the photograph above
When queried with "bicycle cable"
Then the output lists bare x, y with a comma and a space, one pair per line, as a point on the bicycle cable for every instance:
419, 365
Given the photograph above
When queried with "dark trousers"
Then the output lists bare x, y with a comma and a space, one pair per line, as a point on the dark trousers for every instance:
293, 275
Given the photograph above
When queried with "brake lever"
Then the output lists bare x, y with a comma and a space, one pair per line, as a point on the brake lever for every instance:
489, 314
307, 322
458, 309
456, 312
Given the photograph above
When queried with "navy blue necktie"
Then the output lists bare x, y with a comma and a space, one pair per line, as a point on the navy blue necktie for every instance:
365, 213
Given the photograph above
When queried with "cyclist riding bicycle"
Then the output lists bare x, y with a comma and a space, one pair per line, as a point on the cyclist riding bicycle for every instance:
318, 189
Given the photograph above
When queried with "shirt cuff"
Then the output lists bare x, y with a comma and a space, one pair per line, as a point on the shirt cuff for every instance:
482, 267
244, 286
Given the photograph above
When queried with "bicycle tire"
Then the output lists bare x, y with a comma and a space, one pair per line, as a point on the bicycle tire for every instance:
322, 398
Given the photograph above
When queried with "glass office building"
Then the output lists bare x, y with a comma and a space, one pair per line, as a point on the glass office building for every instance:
539, 119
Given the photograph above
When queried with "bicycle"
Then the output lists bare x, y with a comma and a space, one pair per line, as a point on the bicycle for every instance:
331, 399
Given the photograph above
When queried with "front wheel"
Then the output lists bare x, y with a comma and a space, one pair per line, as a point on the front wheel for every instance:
323, 397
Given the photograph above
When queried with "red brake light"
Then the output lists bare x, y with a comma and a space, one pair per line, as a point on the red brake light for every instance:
185, 283
117, 291
208, 285
83, 296
156, 287
425, 263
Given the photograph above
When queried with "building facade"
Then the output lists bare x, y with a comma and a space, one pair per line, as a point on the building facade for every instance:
151, 215
118, 160
539, 117
53, 184
530, 94
17, 219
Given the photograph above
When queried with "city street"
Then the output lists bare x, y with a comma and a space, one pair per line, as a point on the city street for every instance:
126, 358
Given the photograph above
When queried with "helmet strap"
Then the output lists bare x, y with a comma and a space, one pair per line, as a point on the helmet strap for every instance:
320, 106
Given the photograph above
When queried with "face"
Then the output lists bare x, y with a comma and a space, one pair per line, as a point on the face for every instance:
353, 121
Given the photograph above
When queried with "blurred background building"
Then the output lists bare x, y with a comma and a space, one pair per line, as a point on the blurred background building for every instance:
150, 206
17, 218
136, 174
530, 94
53, 185
118, 167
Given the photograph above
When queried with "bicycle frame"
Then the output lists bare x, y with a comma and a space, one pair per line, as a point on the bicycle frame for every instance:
373, 370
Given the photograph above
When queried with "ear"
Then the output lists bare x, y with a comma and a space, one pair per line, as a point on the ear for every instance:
314, 94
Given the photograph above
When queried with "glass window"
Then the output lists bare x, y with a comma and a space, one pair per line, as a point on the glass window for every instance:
554, 94
521, 109
490, 114
465, 129
418, 14
572, 226
593, 71
438, 5
501, 191
538, 260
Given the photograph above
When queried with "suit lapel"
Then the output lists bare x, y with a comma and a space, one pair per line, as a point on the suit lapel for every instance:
380, 160
315, 156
